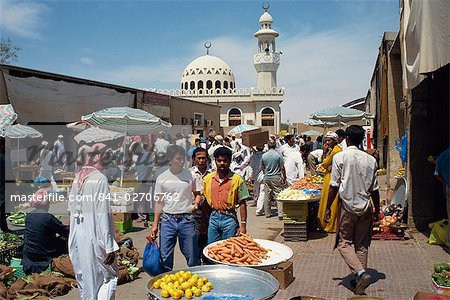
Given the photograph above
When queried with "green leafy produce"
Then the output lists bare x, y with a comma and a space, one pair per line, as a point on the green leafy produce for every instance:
10, 237
17, 218
438, 268
442, 278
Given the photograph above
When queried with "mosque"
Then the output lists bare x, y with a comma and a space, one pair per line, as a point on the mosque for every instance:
209, 79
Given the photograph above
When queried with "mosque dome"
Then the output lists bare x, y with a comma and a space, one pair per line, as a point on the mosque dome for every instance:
207, 72
265, 18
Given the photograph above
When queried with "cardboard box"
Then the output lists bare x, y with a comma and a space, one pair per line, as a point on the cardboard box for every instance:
430, 296
255, 137
283, 272
121, 217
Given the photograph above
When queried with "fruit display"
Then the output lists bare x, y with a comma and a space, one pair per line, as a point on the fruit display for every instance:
388, 220
182, 284
441, 275
17, 218
9, 240
310, 182
242, 250
292, 194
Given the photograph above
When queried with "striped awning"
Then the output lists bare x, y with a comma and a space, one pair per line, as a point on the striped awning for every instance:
20, 131
340, 114
126, 120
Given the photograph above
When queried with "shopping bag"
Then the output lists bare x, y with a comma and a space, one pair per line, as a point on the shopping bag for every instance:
151, 260
439, 233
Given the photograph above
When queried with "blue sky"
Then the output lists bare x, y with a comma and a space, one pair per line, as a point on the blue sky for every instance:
329, 47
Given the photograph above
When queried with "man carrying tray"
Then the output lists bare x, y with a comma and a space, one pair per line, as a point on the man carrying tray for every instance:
225, 191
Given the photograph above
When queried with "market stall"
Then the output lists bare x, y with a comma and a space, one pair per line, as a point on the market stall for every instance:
298, 207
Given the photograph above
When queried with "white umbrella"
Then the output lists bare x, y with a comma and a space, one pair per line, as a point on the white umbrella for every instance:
340, 114
20, 131
97, 135
126, 120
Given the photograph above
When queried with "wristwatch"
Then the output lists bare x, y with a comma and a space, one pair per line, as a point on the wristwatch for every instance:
243, 222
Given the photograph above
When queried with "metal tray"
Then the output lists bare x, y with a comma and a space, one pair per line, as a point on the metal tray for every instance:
259, 284
278, 253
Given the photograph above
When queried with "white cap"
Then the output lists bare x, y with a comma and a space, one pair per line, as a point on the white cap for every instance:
44, 143
60, 136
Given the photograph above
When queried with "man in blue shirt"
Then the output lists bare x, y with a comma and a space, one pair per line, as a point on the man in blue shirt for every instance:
272, 165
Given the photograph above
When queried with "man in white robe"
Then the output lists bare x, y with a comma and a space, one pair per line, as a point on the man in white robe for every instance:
91, 240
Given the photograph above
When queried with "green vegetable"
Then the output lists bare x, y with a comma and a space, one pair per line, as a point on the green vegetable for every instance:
442, 279
438, 268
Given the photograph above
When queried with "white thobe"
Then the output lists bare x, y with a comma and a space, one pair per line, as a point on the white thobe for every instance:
91, 238
293, 164
45, 162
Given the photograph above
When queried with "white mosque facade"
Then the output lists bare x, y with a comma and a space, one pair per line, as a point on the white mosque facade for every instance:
209, 79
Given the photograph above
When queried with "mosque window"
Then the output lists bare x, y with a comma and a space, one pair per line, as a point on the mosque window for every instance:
185, 85
234, 117
218, 84
225, 84
231, 85
209, 85
192, 87
200, 84
267, 117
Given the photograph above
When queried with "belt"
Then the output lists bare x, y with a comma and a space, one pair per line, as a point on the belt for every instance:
177, 216
229, 213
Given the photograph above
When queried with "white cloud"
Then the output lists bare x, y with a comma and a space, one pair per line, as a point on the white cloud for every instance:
87, 61
22, 18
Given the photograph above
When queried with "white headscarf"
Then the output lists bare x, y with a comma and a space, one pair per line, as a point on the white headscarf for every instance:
331, 135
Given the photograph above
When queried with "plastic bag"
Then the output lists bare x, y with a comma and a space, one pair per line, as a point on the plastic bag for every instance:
402, 147
439, 233
151, 260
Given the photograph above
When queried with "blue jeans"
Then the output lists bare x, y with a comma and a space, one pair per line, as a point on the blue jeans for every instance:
221, 227
183, 227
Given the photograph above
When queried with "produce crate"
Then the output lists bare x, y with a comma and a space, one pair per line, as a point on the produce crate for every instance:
124, 227
16, 263
10, 252
295, 231
297, 212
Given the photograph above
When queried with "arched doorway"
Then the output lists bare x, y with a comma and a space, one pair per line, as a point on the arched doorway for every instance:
267, 117
234, 117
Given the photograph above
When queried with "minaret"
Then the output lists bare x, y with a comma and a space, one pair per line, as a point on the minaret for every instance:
266, 61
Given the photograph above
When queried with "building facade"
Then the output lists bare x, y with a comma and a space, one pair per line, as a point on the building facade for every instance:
209, 79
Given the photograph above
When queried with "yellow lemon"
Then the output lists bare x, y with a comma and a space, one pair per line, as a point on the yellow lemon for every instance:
199, 284
173, 278
176, 284
195, 276
186, 276
204, 279
171, 291
205, 288
209, 284
198, 292
185, 285
192, 281
180, 280
188, 294
165, 294
157, 284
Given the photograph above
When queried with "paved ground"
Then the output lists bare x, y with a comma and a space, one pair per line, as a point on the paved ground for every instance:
399, 268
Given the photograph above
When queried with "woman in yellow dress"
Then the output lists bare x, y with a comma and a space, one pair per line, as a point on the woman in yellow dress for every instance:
331, 147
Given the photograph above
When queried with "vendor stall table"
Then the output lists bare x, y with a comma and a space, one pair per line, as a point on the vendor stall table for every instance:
26, 172
295, 219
